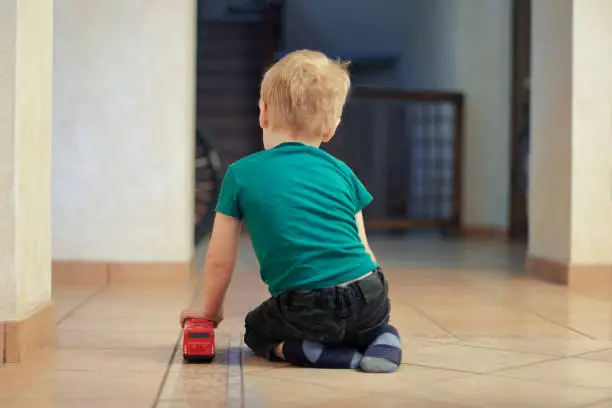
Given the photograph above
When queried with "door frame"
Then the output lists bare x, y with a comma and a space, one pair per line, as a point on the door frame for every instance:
521, 68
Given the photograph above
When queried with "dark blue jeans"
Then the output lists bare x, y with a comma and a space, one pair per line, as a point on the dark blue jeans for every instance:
349, 316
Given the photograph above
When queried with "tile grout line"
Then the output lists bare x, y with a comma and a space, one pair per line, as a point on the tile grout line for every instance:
526, 365
158, 395
81, 305
546, 319
345, 387
551, 382
580, 355
596, 403
510, 350
166, 372
507, 302
500, 374
235, 377
266, 369
300, 381
494, 372
462, 342
452, 370
242, 391
435, 323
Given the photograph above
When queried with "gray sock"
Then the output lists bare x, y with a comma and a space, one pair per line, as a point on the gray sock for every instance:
384, 355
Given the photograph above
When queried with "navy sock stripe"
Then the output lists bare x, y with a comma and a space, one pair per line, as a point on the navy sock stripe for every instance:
390, 329
294, 354
393, 354
337, 358
385, 352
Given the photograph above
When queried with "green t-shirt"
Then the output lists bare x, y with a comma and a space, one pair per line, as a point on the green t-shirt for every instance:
299, 205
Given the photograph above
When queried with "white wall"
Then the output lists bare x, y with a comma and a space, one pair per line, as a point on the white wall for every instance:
441, 44
123, 130
592, 133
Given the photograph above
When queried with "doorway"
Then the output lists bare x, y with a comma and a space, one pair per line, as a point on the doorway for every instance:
521, 68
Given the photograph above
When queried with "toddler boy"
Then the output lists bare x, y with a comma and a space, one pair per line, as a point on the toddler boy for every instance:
302, 207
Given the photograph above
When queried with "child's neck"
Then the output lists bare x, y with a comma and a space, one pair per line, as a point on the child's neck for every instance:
273, 139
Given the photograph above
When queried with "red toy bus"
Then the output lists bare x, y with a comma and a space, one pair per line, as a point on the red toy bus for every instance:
198, 341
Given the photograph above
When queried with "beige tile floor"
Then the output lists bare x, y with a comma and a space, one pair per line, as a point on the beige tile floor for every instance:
476, 332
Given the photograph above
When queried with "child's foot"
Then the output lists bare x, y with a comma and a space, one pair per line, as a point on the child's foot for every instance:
384, 355
306, 353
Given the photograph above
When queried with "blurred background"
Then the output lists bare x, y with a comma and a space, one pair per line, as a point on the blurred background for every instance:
432, 126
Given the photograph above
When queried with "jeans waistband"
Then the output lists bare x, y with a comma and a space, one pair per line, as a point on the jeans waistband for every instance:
367, 288
373, 275
358, 279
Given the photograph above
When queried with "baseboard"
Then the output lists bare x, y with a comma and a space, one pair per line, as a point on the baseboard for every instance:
573, 275
20, 338
478, 232
80, 273
150, 273
86, 273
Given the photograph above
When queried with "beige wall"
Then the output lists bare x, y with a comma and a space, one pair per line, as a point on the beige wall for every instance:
8, 25
571, 160
26, 32
551, 142
592, 130
123, 130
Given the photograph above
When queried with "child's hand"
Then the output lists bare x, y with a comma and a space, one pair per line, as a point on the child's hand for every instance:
201, 314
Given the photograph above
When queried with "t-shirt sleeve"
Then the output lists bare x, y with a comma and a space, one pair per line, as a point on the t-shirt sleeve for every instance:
228, 197
363, 198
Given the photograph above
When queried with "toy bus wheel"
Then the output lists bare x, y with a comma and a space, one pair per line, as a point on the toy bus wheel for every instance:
198, 359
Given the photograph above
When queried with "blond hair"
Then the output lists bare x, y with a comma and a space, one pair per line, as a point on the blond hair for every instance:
305, 92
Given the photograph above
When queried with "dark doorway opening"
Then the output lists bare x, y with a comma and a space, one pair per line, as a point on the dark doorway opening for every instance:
521, 68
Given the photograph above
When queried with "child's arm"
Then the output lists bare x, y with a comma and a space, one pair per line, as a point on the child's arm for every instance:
363, 236
220, 261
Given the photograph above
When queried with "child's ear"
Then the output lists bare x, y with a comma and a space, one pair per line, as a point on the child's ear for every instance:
327, 136
329, 133
264, 116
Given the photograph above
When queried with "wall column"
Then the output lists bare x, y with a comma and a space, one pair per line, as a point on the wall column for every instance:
26, 61
570, 197
123, 141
